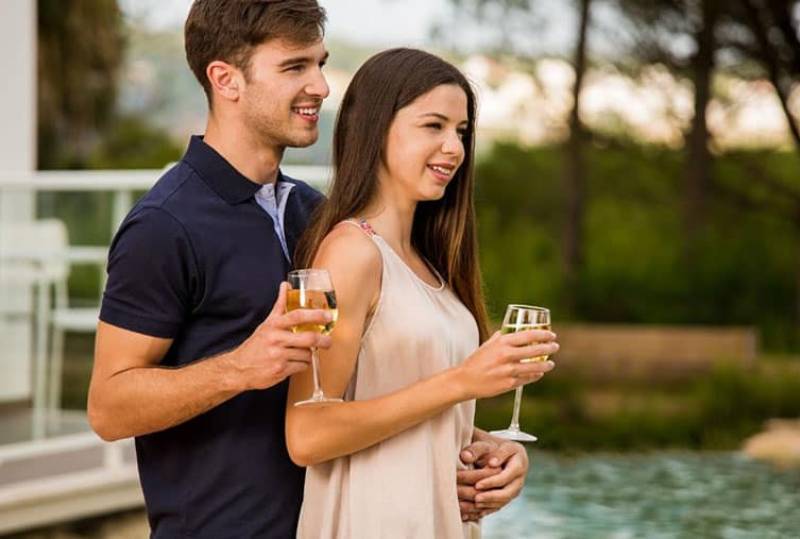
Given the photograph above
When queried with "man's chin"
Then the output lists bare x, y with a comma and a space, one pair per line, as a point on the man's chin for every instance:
305, 140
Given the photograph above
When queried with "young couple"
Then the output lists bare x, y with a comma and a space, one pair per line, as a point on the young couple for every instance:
195, 354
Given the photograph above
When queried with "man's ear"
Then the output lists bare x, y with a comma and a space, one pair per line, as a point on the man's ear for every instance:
225, 80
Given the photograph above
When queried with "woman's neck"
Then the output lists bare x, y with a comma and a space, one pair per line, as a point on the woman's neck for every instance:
392, 217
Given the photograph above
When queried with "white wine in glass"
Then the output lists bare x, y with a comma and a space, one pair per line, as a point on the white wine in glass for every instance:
313, 299
312, 289
522, 318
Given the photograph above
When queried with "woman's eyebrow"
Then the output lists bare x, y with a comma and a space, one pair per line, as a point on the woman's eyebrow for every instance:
441, 117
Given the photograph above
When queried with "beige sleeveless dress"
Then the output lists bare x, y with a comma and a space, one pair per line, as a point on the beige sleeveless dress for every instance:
405, 486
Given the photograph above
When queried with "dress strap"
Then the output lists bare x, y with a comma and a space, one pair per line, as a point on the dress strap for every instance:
363, 225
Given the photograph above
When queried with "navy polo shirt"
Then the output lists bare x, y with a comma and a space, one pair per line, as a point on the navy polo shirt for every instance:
197, 260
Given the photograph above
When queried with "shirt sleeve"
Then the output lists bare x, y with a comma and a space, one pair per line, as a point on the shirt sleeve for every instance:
152, 275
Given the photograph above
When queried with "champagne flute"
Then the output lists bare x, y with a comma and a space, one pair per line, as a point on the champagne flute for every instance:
522, 318
312, 289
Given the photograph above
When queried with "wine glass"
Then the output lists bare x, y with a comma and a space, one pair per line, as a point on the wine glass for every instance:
312, 289
522, 318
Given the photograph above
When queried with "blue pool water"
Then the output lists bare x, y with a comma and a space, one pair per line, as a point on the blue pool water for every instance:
652, 496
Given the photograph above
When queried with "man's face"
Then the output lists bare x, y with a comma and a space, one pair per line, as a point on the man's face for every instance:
283, 93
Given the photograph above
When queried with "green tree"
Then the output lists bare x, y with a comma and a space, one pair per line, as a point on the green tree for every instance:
513, 21
80, 52
759, 38
657, 25
575, 167
776, 36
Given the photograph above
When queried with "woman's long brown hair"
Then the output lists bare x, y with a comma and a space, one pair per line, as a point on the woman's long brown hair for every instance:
444, 231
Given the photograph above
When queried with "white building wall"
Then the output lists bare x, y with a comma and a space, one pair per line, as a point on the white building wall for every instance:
18, 94
17, 155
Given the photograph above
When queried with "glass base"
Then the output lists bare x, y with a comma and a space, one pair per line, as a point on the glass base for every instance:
514, 434
318, 401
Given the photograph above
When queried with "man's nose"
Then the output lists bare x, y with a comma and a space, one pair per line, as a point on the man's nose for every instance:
318, 87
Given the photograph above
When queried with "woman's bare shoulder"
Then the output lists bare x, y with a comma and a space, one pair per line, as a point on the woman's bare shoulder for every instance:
347, 248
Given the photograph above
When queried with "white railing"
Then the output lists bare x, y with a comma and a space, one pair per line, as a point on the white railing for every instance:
122, 183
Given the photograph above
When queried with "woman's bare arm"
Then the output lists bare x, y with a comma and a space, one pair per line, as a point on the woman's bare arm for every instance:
317, 434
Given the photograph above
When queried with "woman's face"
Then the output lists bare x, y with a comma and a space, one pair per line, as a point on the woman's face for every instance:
424, 146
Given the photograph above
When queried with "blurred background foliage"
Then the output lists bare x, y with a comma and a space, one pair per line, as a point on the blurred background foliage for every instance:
744, 273
612, 230
714, 410
81, 53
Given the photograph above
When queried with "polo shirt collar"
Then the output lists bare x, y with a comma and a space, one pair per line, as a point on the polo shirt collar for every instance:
230, 184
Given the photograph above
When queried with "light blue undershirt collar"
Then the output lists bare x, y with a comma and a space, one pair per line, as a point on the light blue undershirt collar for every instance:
275, 205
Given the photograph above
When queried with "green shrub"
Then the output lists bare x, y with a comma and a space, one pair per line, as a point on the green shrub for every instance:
717, 410
747, 263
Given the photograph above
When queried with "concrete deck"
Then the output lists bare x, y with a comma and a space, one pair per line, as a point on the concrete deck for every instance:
67, 475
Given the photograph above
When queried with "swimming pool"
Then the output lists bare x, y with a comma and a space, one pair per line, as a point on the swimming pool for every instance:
652, 496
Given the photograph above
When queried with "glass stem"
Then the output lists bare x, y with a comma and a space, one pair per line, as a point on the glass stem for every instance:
317, 395
515, 416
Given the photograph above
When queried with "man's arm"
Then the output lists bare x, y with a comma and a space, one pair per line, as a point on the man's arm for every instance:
499, 475
131, 395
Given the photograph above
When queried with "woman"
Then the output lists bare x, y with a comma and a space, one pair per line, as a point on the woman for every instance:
398, 238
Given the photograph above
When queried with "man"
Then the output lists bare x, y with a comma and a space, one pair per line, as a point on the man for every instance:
194, 345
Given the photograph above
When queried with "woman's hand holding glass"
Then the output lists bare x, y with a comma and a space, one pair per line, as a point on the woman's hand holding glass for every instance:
497, 366
520, 318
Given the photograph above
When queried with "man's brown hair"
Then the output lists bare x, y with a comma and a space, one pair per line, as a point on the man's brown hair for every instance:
229, 30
